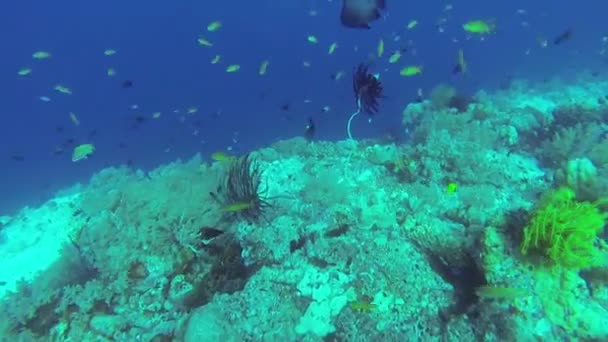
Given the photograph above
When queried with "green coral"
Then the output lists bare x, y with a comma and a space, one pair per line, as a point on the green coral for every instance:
566, 230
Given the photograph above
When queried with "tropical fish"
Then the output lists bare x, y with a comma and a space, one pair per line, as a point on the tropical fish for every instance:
380, 48
500, 292
362, 306
216, 59
24, 72
41, 55
109, 52
451, 188
479, 26
236, 207
411, 70
63, 90
562, 37
360, 13
74, 119
82, 152
332, 48
214, 26
412, 24
312, 39
263, 67
395, 57
221, 156
233, 68
204, 42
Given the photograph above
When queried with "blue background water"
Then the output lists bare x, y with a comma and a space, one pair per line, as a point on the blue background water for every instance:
157, 50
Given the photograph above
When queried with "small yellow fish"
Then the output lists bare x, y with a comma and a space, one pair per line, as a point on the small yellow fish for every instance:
222, 157
156, 115
41, 55
233, 68
204, 42
111, 72
451, 188
236, 207
395, 57
332, 48
411, 70
380, 48
412, 24
479, 26
63, 90
192, 110
263, 67
312, 39
216, 59
24, 72
82, 151
109, 52
74, 119
214, 26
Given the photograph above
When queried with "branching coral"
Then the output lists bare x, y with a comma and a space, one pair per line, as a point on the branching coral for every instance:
566, 230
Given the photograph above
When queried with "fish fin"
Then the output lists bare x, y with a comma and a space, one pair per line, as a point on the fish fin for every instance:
359, 13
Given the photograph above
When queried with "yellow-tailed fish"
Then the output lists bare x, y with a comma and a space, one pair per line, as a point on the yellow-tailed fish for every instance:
156, 115
332, 48
63, 90
111, 72
380, 48
74, 119
214, 26
236, 207
204, 42
312, 39
192, 110
395, 57
263, 67
411, 70
479, 26
216, 59
24, 72
82, 152
109, 52
41, 55
412, 24
233, 68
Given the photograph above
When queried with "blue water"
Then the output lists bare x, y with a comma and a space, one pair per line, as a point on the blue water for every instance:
157, 49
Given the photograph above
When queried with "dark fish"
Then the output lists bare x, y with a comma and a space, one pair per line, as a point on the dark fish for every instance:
563, 37
359, 13
17, 157
285, 107
310, 129
207, 233
59, 129
457, 69
127, 84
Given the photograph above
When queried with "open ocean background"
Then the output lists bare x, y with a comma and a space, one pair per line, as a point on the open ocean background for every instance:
157, 50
